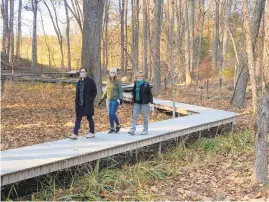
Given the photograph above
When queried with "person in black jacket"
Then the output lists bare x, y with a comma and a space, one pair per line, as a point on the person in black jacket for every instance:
143, 100
85, 94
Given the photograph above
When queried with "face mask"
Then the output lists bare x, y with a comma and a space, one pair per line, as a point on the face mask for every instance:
82, 74
112, 74
139, 79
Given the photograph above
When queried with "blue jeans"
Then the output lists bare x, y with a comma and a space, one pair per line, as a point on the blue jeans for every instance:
144, 108
78, 122
112, 107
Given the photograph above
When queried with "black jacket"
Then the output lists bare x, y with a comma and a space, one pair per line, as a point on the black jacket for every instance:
145, 94
89, 95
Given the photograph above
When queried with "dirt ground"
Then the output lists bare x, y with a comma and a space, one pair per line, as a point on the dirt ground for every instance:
34, 113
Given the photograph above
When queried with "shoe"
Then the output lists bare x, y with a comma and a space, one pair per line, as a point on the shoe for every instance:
111, 131
73, 137
144, 133
117, 129
90, 135
131, 132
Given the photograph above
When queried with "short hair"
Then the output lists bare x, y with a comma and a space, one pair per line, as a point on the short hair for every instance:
140, 73
83, 68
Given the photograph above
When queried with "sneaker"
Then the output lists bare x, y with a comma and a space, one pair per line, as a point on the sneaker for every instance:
144, 133
111, 131
117, 129
73, 137
90, 135
131, 132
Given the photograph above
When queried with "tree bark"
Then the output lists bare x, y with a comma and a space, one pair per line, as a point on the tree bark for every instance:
228, 7
215, 58
240, 90
18, 42
34, 39
5, 28
171, 40
250, 55
126, 37
91, 40
67, 37
122, 9
192, 17
145, 39
11, 32
156, 46
105, 39
187, 47
135, 35
261, 145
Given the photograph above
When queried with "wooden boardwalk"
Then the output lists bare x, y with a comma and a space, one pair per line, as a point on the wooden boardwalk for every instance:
31, 161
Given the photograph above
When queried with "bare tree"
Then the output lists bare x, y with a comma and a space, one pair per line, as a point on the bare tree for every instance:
180, 31
105, 38
215, 58
238, 98
187, 47
156, 46
192, 17
121, 9
250, 54
54, 20
67, 36
76, 12
261, 145
5, 27
135, 26
18, 42
228, 7
145, 39
91, 39
126, 36
34, 39
202, 12
11, 32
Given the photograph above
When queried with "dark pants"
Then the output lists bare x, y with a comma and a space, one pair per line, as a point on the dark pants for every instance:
78, 121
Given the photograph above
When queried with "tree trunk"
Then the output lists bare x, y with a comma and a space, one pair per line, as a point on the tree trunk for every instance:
67, 36
239, 89
11, 32
250, 55
171, 40
200, 41
215, 58
149, 42
91, 40
57, 29
261, 145
187, 47
145, 39
34, 40
5, 28
122, 9
105, 39
126, 37
18, 42
228, 7
156, 46
192, 17
135, 35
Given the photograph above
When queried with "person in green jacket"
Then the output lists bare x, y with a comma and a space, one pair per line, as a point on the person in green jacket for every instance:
114, 96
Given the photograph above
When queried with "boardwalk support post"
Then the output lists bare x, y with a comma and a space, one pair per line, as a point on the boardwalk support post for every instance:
160, 148
232, 127
200, 135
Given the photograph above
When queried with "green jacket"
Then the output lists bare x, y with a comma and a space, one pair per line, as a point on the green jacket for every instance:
113, 91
